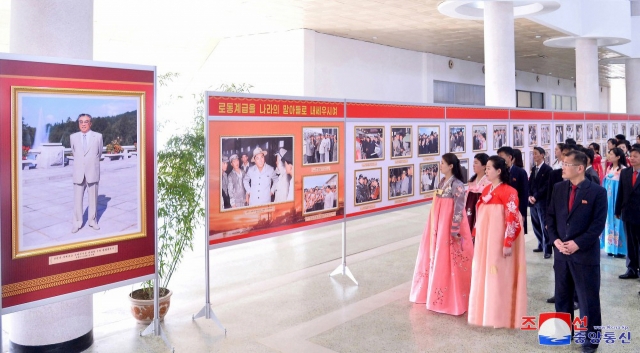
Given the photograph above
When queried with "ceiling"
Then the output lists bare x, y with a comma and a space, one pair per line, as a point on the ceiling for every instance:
180, 36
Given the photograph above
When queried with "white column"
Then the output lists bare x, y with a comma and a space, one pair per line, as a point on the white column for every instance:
587, 83
632, 80
62, 29
499, 54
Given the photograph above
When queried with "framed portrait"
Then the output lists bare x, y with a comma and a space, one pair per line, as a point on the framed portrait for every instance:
596, 132
369, 143
532, 163
589, 132
401, 181
464, 167
428, 140
457, 136
604, 131
500, 137
545, 134
479, 139
319, 193
68, 143
429, 177
256, 170
368, 186
614, 129
569, 131
547, 156
623, 128
320, 145
401, 142
533, 135
559, 133
518, 136
579, 132
634, 131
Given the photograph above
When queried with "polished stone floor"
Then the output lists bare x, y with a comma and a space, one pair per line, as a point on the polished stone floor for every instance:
276, 295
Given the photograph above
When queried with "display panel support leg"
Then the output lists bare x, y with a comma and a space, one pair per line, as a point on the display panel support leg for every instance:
207, 311
343, 269
154, 328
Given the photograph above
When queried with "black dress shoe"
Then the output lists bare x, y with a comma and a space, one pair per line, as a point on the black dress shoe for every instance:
537, 250
547, 256
629, 275
620, 256
551, 300
609, 254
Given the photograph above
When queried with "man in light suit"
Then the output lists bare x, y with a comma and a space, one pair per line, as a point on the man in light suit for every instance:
86, 146
575, 220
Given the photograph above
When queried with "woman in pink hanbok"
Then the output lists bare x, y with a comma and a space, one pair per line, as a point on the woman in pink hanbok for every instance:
442, 275
498, 295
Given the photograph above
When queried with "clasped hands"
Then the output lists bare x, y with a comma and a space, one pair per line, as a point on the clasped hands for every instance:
567, 248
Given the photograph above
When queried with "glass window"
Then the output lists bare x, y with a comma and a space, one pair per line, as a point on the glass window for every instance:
524, 99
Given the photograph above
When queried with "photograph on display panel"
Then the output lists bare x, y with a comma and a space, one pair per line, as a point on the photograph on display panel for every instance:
569, 131
545, 134
518, 135
532, 163
457, 135
429, 177
633, 131
369, 143
499, 136
401, 142
256, 171
428, 140
400, 181
614, 129
579, 132
547, 156
319, 193
533, 135
79, 177
464, 168
623, 128
368, 186
559, 133
589, 132
596, 132
320, 145
605, 131
479, 142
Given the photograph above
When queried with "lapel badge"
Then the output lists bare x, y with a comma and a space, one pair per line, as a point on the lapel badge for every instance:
584, 202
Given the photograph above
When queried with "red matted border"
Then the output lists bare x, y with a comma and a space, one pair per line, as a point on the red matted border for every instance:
477, 113
634, 117
271, 107
530, 115
390, 207
596, 116
568, 116
384, 111
49, 75
618, 117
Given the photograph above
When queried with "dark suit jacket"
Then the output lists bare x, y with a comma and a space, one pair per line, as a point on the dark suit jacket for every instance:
592, 175
538, 186
518, 180
555, 176
628, 200
583, 223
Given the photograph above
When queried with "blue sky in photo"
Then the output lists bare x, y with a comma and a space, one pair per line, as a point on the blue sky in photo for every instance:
54, 108
316, 180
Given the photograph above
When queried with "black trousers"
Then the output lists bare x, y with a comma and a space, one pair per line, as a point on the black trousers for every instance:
538, 214
633, 246
585, 281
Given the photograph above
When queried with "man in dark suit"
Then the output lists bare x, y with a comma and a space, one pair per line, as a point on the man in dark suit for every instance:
590, 173
538, 184
628, 209
575, 220
518, 180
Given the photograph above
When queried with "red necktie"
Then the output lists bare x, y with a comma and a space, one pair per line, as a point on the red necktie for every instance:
572, 197
635, 177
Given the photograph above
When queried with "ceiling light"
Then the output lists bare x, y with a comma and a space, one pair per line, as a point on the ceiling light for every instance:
538, 37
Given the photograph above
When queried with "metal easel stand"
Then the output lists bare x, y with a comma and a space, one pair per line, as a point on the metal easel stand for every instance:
342, 268
154, 328
206, 310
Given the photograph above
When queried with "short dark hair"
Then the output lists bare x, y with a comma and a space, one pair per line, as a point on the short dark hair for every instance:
596, 146
540, 149
570, 141
83, 114
500, 164
560, 145
505, 149
621, 137
590, 154
568, 147
578, 157
636, 148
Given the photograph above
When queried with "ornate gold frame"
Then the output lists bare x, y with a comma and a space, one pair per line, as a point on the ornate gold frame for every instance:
430, 192
418, 139
15, 207
321, 211
485, 132
391, 141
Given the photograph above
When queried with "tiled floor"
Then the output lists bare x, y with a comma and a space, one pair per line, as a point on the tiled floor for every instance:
276, 295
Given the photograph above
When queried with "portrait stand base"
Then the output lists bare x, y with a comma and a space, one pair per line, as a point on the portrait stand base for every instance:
155, 329
344, 270
207, 312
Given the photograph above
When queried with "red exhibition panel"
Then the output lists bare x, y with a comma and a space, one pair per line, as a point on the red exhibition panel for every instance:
619, 117
41, 256
383, 110
634, 117
477, 113
531, 115
568, 116
596, 116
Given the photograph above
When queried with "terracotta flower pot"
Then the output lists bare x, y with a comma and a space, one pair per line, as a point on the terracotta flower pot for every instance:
142, 309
